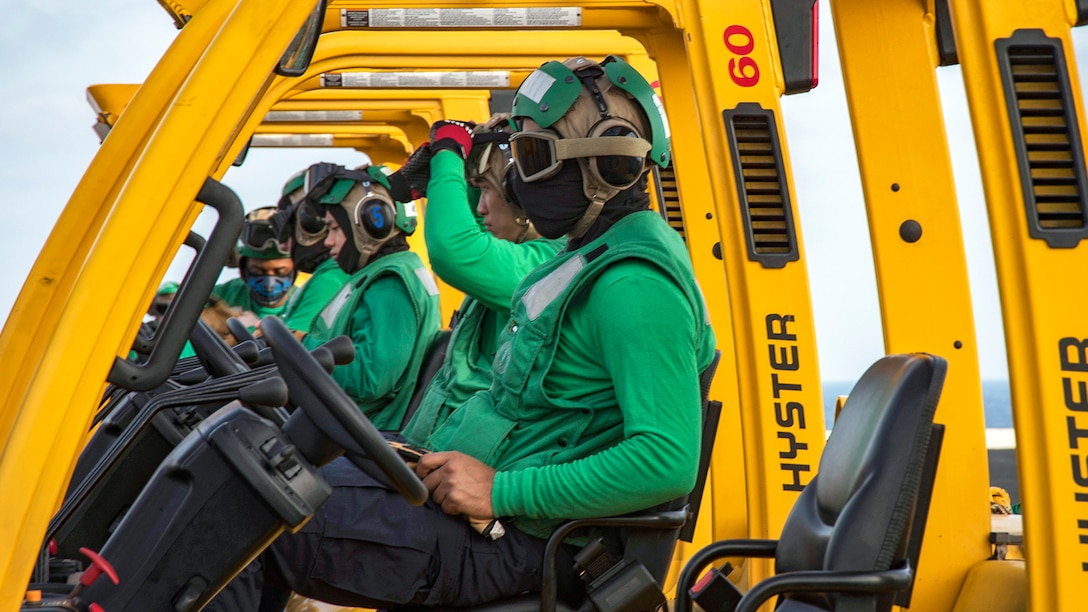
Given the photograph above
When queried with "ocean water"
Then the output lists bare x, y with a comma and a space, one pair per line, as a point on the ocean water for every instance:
995, 399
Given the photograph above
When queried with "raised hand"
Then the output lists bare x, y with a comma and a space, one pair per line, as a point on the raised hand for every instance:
452, 135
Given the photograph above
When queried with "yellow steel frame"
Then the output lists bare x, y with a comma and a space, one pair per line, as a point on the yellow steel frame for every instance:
888, 54
1041, 296
83, 299
778, 382
384, 137
183, 126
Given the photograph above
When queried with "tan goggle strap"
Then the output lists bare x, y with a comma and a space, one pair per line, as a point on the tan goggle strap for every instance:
573, 148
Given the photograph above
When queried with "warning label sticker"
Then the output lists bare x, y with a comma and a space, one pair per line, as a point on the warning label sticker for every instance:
524, 17
334, 116
292, 140
354, 18
487, 79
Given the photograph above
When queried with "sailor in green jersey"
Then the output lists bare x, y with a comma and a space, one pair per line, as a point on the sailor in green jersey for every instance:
485, 262
594, 405
267, 273
594, 408
304, 233
389, 305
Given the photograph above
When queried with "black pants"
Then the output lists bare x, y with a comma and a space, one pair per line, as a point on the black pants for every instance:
367, 547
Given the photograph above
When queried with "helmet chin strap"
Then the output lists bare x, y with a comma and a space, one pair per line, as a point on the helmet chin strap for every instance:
598, 195
372, 247
588, 217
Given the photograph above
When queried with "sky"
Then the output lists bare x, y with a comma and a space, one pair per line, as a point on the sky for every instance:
46, 143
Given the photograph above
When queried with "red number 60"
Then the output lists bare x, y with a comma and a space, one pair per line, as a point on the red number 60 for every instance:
739, 40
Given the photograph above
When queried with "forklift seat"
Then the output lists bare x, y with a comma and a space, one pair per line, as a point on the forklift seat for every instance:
848, 542
432, 361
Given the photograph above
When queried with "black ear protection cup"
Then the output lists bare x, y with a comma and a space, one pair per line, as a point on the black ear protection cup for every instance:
376, 216
508, 186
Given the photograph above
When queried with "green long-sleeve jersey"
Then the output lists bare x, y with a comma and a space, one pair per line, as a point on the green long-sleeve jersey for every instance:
488, 269
308, 300
462, 252
594, 406
389, 309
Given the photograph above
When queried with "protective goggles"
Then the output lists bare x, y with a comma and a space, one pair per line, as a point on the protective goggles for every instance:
616, 156
324, 183
480, 162
262, 236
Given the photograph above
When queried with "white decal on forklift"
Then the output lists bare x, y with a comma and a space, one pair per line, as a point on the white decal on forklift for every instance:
354, 18
291, 140
481, 79
530, 17
313, 116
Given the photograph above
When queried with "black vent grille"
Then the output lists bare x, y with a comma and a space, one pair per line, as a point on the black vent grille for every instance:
668, 199
1046, 136
761, 180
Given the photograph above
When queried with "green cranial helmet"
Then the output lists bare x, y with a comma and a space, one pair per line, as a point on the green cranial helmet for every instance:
260, 238
548, 94
374, 215
603, 116
305, 215
293, 189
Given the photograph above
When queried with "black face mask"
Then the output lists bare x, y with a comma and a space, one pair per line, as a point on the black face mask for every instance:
555, 204
308, 258
348, 259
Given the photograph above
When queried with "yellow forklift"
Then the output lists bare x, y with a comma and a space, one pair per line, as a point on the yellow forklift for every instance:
312, 95
1026, 107
1028, 114
720, 78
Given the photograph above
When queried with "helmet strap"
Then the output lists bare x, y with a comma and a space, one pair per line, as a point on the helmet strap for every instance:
596, 203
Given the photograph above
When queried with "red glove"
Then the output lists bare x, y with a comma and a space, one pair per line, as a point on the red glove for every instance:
453, 136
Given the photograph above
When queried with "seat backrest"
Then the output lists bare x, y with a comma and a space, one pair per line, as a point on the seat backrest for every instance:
855, 514
436, 354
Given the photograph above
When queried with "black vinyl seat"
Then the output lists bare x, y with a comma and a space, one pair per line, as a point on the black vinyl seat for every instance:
436, 354
848, 542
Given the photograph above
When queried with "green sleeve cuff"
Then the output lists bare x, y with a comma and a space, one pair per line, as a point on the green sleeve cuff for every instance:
504, 498
447, 161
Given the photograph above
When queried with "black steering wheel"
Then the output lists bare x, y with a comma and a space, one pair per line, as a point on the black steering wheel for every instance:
217, 358
329, 408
